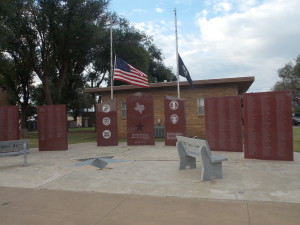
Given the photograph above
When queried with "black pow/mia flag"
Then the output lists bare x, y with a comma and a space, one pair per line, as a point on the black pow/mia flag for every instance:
183, 71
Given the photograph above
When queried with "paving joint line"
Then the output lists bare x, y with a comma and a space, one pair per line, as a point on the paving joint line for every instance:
40, 187
98, 222
248, 213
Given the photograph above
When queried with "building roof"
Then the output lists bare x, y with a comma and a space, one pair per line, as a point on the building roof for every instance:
243, 84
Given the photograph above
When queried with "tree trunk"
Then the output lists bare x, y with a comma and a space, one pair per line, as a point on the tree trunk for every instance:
61, 80
24, 127
47, 94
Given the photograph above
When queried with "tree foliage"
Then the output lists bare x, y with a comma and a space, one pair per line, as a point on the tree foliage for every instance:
290, 79
65, 44
16, 54
134, 47
67, 37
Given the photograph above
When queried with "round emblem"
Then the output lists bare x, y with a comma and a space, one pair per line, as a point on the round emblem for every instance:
106, 121
106, 108
174, 119
106, 134
173, 105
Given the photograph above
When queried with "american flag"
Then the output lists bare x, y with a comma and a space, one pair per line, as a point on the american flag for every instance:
127, 73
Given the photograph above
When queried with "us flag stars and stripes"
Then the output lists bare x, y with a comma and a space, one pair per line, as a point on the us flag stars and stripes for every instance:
127, 73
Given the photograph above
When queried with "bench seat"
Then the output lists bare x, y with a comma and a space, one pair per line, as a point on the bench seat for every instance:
189, 149
14, 148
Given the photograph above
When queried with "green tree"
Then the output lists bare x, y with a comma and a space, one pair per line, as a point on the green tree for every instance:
67, 36
131, 45
290, 80
139, 50
72, 95
16, 54
158, 71
66, 43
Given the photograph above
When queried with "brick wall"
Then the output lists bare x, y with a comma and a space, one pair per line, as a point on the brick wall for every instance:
195, 122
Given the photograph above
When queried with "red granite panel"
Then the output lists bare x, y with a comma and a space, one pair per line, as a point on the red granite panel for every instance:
9, 123
107, 123
175, 121
223, 123
140, 119
268, 130
52, 128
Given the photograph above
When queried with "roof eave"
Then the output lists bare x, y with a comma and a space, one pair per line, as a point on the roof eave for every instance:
243, 84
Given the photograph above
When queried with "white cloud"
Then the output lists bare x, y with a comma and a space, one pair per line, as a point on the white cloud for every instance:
159, 10
227, 5
255, 42
139, 10
248, 39
222, 6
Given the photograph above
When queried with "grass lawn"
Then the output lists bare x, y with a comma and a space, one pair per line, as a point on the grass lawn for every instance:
75, 136
296, 133
82, 135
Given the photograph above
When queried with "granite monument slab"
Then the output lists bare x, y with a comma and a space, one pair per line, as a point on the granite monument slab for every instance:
140, 119
52, 128
107, 123
175, 121
223, 123
9, 123
268, 132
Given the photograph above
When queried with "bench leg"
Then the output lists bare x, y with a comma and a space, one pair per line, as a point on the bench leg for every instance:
185, 160
205, 176
190, 161
25, 155
217, 170
211, 170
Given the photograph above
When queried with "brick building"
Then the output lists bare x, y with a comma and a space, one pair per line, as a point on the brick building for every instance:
194, 99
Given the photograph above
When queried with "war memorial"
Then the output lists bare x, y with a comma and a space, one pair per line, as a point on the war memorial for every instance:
250, 133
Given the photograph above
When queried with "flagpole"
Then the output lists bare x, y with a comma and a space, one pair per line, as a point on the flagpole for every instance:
111, 63
177, 66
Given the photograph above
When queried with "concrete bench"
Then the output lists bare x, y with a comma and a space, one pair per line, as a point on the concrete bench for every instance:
190, 148
14, 148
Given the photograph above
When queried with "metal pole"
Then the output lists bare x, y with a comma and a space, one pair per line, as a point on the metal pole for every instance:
25, 154
111, 63
177, 66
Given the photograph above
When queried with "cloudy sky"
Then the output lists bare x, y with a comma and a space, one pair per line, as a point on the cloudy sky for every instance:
221, 38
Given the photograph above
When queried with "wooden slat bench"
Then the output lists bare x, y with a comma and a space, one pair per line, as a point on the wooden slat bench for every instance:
14, 148
190, 148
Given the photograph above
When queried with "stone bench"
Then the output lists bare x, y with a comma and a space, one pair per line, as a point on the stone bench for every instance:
14, 148
190, 148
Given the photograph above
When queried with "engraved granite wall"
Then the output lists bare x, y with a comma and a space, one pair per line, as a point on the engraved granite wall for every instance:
107, 124
175, 121
268, 128
52, 128
223, 123
140, 119
9, 123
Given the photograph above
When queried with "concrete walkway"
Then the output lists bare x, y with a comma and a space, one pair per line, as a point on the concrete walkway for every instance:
42, 207
148, 189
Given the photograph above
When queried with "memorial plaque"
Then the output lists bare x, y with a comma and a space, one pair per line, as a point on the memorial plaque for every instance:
107, 123
223, 123
52, 128
140, 119
175, 123
268, 128
9, 123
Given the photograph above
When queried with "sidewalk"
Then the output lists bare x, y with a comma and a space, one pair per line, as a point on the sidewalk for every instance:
52, 207
148, 189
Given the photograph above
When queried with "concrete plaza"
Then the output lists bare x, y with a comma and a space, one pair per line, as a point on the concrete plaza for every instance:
148, 188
